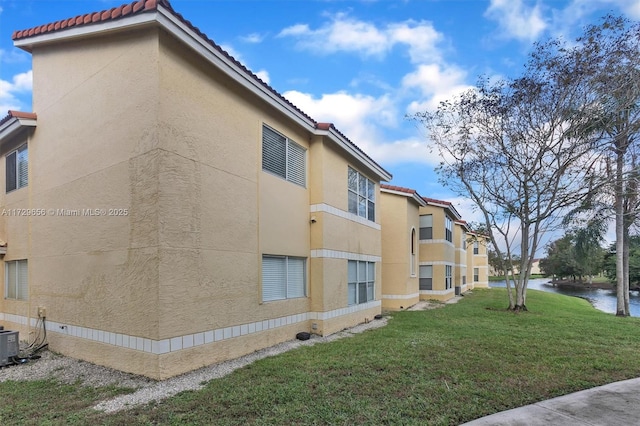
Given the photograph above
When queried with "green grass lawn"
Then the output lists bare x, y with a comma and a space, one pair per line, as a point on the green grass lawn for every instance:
442, 366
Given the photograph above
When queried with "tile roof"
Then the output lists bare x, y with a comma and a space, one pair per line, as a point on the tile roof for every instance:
18, 114
433, 200
398, 188
142, 6
139, 6
410, 192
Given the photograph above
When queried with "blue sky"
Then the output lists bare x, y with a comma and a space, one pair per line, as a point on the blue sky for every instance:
363, 65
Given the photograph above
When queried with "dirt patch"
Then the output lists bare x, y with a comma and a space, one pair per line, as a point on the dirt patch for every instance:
423, 305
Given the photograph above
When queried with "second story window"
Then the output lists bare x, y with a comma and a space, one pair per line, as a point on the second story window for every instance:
283, 157
426, 227
362, 195
17, 169
448, 229
476, 247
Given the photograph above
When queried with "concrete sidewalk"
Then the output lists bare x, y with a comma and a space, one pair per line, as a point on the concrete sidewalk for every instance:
613, 404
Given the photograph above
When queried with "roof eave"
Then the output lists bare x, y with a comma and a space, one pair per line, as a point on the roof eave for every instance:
351, 149
169, 22
413, 195
71, 33
14, 125
182, 31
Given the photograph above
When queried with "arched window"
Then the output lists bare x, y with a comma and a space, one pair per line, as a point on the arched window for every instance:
412, 266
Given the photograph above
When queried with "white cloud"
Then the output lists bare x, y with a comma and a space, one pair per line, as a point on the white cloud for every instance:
411, 150
436, 83
345, 34
421, 38
252, 38
577, 13
517, 20
20, 84
361, 118
23, 82
263, 75
13, 56
231, 51
355, 115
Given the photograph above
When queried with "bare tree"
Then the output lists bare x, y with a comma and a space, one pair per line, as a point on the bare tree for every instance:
521, 150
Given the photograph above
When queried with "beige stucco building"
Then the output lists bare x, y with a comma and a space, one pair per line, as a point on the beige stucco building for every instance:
400, 249
477, 259
165, 209
438, 257
428, 251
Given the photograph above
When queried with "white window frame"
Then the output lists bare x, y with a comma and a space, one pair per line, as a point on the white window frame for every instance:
361, 199
476, 247
476, 275
290, 284
426, 273
360, 275
412, 252
19, 288
448, 225
20, 159
448, 277
426, 227
293, 162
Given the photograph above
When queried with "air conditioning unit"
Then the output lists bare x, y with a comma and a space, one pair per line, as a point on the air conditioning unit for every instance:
9, 346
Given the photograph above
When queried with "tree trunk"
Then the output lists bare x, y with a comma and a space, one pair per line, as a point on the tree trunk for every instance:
520, 297
619, 207
625, 263
509, 292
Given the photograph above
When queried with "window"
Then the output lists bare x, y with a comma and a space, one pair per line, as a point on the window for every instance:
362, 195
464, 280
412, 265
447, 276
476, 275
17, 169
15, 280
362, 277
426, 227
283, 277
476, 247
283, 157
426, 277
448, 232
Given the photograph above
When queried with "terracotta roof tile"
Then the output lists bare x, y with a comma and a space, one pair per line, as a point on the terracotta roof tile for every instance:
141, 6
433, 200
18, 114
90, 18
398, 188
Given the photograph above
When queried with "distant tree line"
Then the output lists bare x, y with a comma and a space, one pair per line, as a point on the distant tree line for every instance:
568, 259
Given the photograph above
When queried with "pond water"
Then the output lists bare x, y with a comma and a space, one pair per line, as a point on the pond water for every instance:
605, 300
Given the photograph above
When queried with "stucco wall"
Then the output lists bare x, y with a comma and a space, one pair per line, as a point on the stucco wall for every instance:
399, 215
139, 125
